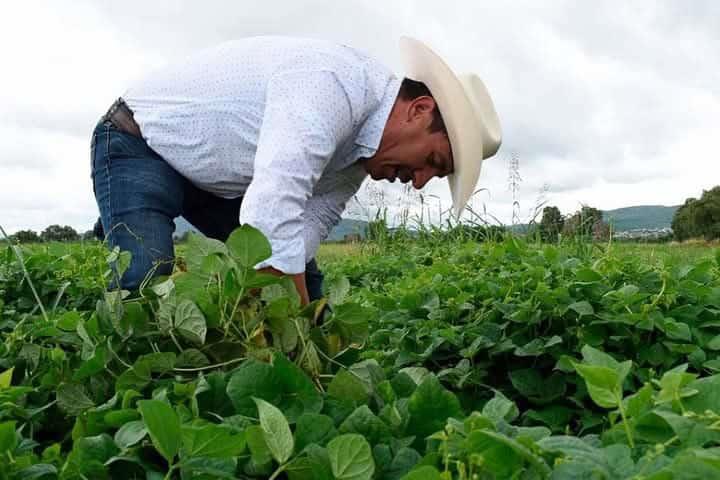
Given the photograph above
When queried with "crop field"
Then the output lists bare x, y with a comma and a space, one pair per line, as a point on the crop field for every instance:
436, 360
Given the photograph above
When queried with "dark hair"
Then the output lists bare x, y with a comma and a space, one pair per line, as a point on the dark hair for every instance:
410, 90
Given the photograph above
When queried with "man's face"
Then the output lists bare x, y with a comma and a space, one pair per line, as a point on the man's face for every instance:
408, 150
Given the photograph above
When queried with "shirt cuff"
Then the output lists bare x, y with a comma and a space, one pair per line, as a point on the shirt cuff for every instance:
288, 257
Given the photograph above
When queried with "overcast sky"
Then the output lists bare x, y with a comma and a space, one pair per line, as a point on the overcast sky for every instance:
609, 103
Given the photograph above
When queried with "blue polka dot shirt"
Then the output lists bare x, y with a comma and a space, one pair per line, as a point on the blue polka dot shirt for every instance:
280, 121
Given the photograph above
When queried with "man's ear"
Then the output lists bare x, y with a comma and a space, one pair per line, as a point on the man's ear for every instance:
421, 108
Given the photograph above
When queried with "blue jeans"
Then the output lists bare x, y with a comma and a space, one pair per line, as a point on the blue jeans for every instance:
139, 195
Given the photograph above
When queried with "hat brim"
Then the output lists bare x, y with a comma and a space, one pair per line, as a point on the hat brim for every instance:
462, 123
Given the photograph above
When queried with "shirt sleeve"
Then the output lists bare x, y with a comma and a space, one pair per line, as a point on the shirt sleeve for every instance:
323, 212
307, 116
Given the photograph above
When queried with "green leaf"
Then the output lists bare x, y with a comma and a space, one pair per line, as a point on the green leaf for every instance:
350, 321
276, 430
130, 434
595, 357
640, 402
313, 428
504, 455
248, 246
672, 385
500, 408
192, 358
351, 458
573, 448
338, 288
39, 470
423, 473
211, 467
314, 466
554, 416
677, 330
163, 425
714, 343
285, 333
211, 440
692, 433
252, 378
533, 386
158, 362
118, 418
582, 308
364, 422
298, 395
134, 378
93, 365
198, 248
430, 406
8, 437
602, 384
98, 448
347, 386
190, 322
259, 450
404, 461
6, 377
707, 396
72, 398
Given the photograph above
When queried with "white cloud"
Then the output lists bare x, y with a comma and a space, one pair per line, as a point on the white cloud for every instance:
609, 103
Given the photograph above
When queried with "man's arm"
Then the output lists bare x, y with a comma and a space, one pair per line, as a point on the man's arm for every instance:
307, 115
323, 211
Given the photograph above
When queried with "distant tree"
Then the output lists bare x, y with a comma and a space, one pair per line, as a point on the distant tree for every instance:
56, 233
698, 218
683, 222
587, 223
87, 236
25, 236
551, 224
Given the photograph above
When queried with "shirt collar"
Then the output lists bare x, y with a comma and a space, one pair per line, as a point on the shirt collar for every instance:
372, 129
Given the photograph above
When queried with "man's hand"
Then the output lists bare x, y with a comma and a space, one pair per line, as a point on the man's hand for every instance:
298, 279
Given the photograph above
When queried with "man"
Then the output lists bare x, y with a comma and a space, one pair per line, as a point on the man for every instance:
279, 133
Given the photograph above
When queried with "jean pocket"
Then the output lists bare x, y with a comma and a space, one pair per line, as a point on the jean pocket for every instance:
123, 145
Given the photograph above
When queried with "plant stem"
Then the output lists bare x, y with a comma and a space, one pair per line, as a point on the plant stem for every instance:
208, 367
625, 422
277, 472
169, 472
177, 344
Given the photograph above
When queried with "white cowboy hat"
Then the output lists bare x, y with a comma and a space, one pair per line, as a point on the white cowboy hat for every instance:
472, 124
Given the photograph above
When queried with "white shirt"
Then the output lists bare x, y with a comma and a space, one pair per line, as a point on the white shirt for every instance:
280, 121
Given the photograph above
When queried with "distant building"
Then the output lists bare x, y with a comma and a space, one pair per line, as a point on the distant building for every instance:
648, 234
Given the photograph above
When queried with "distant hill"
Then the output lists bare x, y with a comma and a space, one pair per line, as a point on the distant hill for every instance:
642, 216
648, 217
623, 219
345, 227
